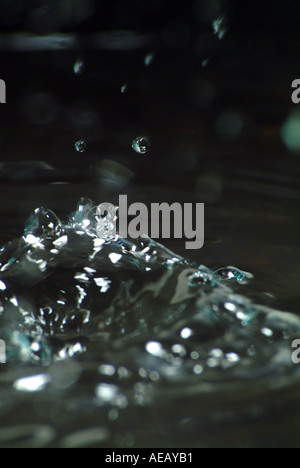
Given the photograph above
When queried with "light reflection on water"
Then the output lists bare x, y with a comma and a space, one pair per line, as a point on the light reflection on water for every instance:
112, 344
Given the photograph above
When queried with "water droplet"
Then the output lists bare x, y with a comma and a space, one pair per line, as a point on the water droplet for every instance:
106, 392
80, 146
113, 414
198, 369
186, 333
124, 88
123, 372
267, 332
149, 59
194, 355
78, 66
35, 383
231, 273
154, 376
220, 26
141, 145
107, 369
179, 349
155, 348
232, 358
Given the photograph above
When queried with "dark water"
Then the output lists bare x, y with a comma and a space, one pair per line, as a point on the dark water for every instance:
134, 343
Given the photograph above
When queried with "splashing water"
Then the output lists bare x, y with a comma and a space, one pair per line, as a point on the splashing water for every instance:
120, 324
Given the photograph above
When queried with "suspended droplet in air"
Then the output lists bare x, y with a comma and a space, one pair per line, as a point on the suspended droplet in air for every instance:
78, 66
141, 145
124, 88
220, 26
80, 146
149, 59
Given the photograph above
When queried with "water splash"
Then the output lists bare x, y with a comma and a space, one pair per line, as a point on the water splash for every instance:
120, 324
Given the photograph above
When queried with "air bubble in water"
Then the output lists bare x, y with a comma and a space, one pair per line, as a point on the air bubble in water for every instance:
80, 146
141, 145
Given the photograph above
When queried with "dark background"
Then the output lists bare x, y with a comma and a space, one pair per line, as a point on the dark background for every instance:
144, 14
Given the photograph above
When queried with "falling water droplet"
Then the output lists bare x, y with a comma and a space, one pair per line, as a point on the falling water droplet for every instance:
80, 146
124, 88
141, 145
78, 66
149, 59
220, 26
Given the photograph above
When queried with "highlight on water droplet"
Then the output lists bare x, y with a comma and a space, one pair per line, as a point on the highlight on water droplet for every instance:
220, 26
232, 273
149, 59
78, 66
141, 145
124, 88
80, 146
